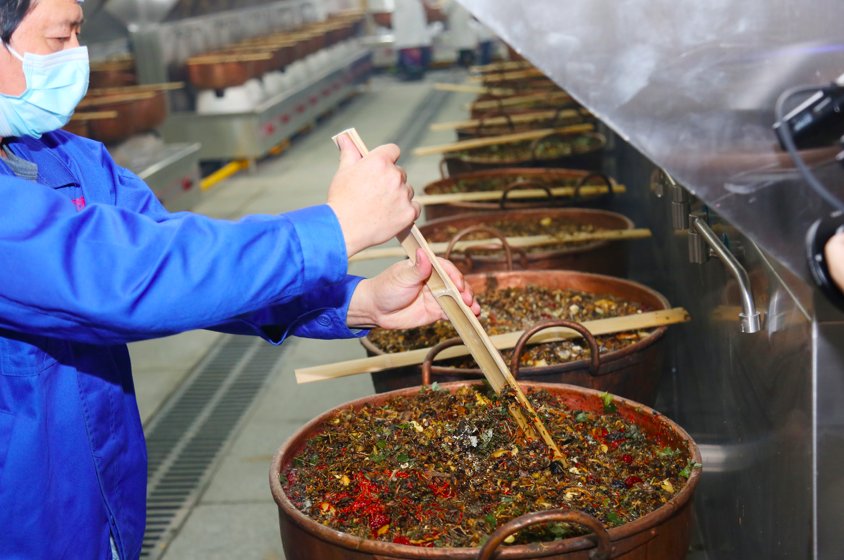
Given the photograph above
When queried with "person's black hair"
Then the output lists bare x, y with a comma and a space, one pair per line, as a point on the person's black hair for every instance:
11, 14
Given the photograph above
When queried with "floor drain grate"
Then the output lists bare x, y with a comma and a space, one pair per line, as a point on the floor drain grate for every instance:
185, 437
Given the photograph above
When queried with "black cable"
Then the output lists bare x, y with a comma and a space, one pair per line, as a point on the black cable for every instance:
791, 148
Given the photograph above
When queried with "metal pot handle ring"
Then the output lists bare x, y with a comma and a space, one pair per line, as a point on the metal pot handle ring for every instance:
601, 552
429, 357
594, 175
520, 185
595, 358
508, 250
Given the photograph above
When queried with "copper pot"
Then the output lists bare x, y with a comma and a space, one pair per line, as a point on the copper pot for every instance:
520, 102
223, 70
632, 372
489, 124
135, 112
603, 257
112, 73
529, 154
516, 178
663, 534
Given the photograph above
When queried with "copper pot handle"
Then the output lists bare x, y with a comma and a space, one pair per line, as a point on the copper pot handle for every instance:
432, 353
601, 552
595, 359
508, 250
492, 115
524, 184
444, 168
594, 175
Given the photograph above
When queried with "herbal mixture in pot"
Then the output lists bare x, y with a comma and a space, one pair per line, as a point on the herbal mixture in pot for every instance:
552, 148
500, 182
514, 227
445, 469
516, 309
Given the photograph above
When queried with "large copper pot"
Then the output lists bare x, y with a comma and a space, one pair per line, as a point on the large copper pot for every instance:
520, 103
587, 151
517, 178
633, 371
117, 72
663, 534
602, 257
493, 123
135, 112
222, 70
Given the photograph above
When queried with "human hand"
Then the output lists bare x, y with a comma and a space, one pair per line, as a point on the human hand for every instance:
834, 256
370, 196
397, 298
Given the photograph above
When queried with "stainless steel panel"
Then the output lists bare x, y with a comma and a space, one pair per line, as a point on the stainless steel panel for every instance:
170, 170
692, 85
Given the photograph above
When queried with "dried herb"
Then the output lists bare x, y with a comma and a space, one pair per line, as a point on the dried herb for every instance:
453, 466
513, 226
516, 309
549, 149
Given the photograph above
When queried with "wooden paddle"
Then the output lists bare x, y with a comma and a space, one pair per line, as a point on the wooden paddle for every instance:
374, 364
469, 328
522, 241
503, 139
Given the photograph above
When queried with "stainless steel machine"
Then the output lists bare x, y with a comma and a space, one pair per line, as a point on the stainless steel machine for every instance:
757, 377
161, 35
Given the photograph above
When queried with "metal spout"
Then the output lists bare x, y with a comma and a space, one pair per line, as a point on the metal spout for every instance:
751, 319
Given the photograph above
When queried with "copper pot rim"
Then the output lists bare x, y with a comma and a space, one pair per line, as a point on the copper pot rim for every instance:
539, 172
618, 222
606, 359
526, 551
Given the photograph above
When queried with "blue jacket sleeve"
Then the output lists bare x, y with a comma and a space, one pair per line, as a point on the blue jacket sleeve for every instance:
111, 274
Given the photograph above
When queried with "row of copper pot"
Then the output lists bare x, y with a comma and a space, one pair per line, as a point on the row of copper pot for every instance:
112, 115
235, 64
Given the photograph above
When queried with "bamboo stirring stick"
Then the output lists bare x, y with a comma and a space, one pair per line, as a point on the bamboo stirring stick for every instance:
499, 66
518, 118
503, 139
164, 86
517, 99
470, 330
515, 242
506, 76
374, 364
467, 88
480, 196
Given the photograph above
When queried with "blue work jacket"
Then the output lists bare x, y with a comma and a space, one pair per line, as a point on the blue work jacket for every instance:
90, 260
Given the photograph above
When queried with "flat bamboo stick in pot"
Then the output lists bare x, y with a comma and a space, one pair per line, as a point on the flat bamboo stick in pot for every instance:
469, 329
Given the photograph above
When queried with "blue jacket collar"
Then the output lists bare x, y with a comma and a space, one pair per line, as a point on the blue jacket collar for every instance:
52, 171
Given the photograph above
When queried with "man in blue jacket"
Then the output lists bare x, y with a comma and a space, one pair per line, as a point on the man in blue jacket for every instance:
89, 260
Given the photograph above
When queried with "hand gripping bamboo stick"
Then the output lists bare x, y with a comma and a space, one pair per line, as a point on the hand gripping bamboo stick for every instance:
381, 362
469, 328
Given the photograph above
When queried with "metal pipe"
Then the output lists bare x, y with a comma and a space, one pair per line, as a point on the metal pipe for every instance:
751, 319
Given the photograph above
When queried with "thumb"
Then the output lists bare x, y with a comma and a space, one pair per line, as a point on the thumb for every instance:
349, 153
418, 272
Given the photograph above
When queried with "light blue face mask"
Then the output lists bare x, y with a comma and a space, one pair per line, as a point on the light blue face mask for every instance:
55, 84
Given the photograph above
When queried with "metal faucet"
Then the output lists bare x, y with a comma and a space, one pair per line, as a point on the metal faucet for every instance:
751, 319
